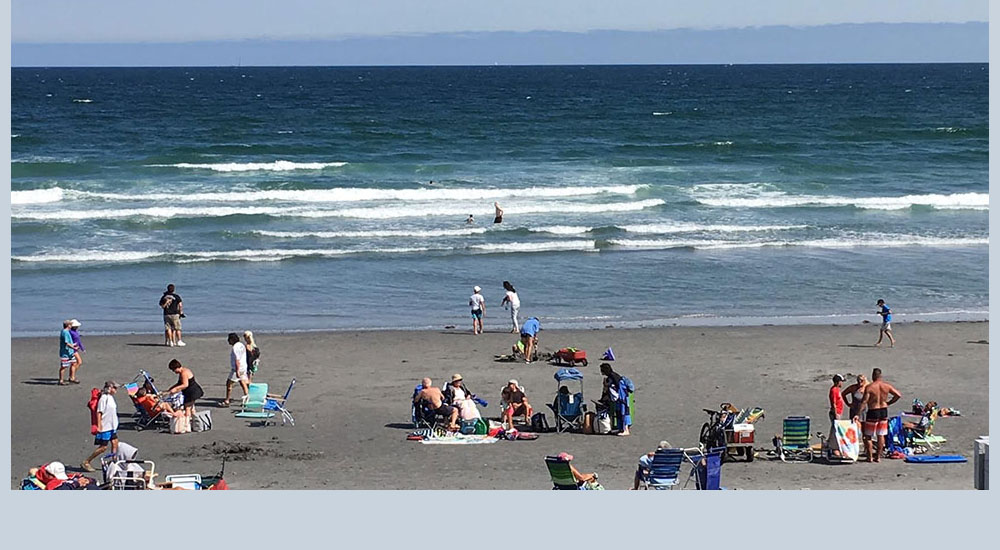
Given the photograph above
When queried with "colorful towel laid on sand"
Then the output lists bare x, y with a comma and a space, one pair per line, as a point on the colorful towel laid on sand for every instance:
459, 439
847, 439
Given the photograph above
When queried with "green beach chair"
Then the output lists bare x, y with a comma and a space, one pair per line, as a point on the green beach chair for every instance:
253, 404
793, 445
562, 476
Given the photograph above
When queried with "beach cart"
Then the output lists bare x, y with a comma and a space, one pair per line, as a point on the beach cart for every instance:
570, 356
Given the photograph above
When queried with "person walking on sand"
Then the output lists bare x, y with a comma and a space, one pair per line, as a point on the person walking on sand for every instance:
74, 331
67, 355
107, 424
173, 312
498, 216
878, 396
253, 355
478, 305
511, 299
886, 328
238, 368
836, 409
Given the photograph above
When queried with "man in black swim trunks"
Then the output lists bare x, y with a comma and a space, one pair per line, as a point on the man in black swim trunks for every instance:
877, 398
435, 400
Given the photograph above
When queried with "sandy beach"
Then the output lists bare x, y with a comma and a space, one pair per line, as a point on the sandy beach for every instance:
351, 404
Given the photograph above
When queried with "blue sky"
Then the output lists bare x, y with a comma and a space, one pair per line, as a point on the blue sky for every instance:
73, 21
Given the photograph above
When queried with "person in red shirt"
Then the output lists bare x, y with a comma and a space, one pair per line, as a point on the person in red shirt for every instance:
836, 409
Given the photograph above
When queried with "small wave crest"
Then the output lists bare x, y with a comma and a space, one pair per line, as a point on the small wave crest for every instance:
83, 100
276, 166
546, 246
36, 196
889, 242
955, 201
402, 233
695, 228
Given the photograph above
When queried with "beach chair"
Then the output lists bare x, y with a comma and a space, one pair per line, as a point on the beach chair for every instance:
561, 474
569, 409
793, 445
664, 469
918, 432
253, 404
278, 404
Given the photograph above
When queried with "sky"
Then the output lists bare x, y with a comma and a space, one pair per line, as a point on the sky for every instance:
128, 21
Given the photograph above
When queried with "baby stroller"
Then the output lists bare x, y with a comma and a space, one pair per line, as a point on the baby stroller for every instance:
142, 418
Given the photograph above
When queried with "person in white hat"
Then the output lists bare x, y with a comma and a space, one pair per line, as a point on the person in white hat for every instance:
514, 403
478, 305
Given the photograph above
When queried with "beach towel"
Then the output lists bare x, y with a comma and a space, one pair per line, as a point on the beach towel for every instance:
459, 439
936, 459
847, 439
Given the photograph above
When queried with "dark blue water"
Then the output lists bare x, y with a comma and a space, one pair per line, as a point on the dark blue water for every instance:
299, 198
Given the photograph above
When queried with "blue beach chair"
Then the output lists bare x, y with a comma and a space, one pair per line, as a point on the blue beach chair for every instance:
665, 469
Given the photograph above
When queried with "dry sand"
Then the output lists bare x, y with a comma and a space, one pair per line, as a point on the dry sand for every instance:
351, 404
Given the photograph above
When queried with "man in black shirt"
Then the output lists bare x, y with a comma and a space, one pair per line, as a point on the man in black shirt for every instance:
173, 310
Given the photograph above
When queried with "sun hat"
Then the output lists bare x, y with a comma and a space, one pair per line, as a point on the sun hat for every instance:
564, 456
476, 288
456, 377
74, 323
57, 469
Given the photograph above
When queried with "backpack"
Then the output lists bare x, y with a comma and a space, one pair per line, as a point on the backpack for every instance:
95, 396
539, 423
628, 384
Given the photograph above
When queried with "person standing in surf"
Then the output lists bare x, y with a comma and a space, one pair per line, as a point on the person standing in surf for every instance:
514, 301
498, 217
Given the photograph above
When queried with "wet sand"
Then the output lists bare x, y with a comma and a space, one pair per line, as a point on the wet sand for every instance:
351, 404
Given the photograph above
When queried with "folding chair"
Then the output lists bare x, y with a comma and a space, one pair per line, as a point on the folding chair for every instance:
253, 404
664, 469
561, 474
569, 411
275, 403
793, 445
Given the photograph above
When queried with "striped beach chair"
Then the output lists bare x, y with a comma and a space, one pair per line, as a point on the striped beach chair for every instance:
793, 445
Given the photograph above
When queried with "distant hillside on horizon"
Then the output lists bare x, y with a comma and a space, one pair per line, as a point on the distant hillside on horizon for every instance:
841, 43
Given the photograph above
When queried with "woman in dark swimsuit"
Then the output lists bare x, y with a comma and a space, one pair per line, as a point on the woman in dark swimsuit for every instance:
186, 385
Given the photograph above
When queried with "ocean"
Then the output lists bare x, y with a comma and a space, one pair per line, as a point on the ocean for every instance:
301, 198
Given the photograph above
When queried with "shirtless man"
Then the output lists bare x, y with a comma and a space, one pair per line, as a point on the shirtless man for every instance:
876, 398
435, 399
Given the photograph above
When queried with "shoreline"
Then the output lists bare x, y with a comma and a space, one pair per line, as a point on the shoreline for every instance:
846, 320
351, 403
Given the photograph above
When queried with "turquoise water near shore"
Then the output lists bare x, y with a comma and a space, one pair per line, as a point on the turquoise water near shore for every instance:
299, 198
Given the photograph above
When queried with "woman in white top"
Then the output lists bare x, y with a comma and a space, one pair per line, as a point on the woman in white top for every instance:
515, 305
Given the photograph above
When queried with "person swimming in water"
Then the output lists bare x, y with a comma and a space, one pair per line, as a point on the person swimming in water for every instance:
499, 213
470, 219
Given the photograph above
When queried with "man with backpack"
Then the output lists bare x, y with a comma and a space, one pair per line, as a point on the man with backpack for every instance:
173, 312
107, 424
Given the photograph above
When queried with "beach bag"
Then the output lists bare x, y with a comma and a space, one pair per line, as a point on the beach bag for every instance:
603, 424
180, 424
482, 427
201, 421
95, 396
468, 410
468, 427
539, 423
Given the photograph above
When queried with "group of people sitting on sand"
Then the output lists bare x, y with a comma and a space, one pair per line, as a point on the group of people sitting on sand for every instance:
455, 401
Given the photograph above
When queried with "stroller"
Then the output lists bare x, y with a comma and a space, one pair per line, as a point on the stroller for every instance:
142, 418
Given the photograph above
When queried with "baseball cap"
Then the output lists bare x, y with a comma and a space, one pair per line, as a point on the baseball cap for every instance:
837, 378
110, 384
476, 288
57, 469
74, 323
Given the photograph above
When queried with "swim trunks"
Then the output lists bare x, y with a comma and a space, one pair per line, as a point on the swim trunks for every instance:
477, 314
876, 422
444, 410
886, 325
103, 438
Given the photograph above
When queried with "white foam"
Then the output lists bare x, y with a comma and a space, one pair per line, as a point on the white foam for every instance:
662, 113
956, 201
462, 211
694, 228
891, 242
561, 229
404, 233
361, 194
100, 256
155, 212
89, 256
12, 136
276, 166
36, 196
547, 246
83, 101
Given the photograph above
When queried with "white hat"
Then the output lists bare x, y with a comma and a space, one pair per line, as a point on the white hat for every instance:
74, 323
57, 469
476, 288
512, 381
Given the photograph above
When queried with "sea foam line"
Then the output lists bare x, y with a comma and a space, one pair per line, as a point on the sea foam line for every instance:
375, 233
360, 194
956, 201
36, 196
276, 166
694, 228
901, 241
